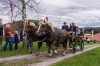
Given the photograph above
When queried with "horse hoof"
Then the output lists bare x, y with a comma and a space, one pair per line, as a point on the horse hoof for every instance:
30, 52
50, 55
55, 52
48, 51
37, 54
66, 52
63, 54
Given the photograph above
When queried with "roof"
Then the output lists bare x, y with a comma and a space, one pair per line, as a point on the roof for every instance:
96, 36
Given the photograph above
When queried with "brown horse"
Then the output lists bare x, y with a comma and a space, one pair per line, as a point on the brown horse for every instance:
54, 36
31, 29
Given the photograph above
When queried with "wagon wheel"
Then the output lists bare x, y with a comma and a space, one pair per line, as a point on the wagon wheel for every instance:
81, 45
74, 47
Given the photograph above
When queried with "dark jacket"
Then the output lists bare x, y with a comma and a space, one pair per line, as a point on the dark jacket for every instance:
65, 27
21, 36
11, 40
73, 29
16, 39
1, 31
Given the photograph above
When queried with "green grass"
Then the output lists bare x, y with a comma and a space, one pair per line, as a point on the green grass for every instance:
91, 43
22, 51
89, 58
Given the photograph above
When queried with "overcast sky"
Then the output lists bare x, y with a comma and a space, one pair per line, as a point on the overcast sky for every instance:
82, 12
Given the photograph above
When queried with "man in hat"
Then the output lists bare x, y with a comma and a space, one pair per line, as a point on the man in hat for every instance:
1, 33
65, 27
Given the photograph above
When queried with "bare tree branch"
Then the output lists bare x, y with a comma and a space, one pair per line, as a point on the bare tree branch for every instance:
20, 7
27, 1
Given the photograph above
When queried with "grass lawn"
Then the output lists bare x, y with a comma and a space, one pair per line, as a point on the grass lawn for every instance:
21, 50
89, 58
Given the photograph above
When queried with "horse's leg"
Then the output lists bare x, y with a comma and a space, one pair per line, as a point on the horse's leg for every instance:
65, 47
53, 49
39, 45
28, 47
50, 49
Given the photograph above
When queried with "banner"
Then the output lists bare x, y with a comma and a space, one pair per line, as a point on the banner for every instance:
46, 18
11, 8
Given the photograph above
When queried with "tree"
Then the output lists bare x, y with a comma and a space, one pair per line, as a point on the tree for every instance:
89, 30
20, 7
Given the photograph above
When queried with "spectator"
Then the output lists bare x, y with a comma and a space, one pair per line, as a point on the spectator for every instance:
21, 35
65, 27
88, 40
8, 33
11, 40
94, 41
1, 33
16, 39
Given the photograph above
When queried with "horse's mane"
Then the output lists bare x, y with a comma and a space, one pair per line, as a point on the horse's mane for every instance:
48, 23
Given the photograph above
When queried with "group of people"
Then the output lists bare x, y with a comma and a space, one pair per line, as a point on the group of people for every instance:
75, 30
10, 36
14, 38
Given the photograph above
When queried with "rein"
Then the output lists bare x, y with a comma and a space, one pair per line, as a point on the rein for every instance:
54, 36
41, 40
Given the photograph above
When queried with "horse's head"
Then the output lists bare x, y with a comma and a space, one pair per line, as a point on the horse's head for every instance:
28, 26
44, 27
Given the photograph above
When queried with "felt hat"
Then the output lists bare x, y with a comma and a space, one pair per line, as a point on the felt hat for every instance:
64, 23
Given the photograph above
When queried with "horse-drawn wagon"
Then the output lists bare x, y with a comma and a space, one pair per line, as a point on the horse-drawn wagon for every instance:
75, 42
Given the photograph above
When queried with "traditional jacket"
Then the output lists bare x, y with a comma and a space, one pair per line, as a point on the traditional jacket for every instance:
7, 34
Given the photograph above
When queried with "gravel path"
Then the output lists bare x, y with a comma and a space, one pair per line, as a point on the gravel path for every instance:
44, 60
54, 60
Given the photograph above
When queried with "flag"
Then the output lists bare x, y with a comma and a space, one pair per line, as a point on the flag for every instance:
47, 19
11, 8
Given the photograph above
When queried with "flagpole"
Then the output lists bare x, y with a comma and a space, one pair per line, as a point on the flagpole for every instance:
92, 35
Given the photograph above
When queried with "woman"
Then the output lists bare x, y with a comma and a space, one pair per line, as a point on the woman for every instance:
8, 33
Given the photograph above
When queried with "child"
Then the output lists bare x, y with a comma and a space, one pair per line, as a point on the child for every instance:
16, 39
11, 41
